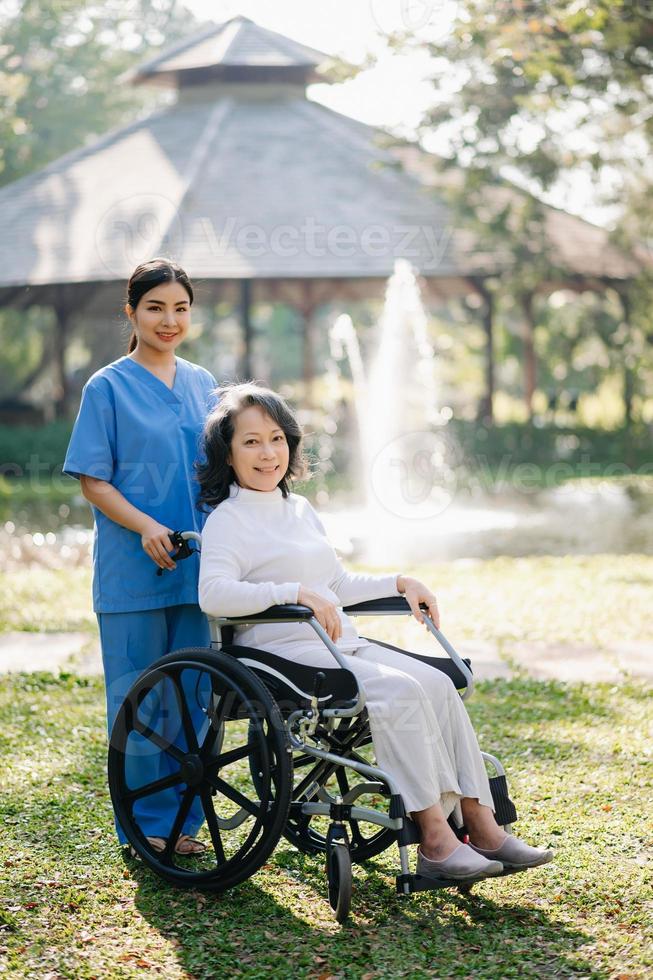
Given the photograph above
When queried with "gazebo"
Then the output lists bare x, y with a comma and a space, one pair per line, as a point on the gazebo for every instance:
262, 194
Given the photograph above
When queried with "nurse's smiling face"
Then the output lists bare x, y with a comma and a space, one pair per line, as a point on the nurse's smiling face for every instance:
259, 453
161, 318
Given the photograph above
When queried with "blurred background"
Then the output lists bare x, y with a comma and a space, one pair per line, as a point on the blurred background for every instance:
427, 223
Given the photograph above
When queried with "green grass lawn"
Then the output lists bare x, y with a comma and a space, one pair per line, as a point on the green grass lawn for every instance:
589, 599
579, 763
44, 599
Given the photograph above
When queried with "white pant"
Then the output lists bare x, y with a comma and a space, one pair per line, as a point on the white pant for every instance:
421, 732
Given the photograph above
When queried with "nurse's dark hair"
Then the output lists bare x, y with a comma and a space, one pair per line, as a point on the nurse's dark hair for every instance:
214, 472
147, 276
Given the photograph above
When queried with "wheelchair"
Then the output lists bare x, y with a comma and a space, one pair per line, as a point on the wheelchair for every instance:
258, 748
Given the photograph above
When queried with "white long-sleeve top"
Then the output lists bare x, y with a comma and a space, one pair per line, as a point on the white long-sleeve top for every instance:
257, 548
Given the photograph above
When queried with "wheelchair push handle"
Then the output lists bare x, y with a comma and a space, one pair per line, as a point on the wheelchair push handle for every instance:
181, 541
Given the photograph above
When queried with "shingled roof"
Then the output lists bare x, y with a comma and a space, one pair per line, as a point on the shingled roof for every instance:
245, 180
238, 49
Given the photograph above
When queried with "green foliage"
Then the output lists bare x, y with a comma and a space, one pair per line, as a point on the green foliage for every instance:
535, 76
550, 90
24, 346
60, 62
33, 450
527, 60
60, 68
580, 447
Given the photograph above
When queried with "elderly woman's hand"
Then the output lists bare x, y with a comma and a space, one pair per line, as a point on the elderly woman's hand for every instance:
415, 593
325, 611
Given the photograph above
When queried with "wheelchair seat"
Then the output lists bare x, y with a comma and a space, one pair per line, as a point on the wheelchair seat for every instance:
293, 685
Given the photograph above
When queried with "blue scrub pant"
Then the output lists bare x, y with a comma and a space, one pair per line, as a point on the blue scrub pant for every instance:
130, 642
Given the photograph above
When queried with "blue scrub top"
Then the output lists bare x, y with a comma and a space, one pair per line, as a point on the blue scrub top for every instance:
143, 438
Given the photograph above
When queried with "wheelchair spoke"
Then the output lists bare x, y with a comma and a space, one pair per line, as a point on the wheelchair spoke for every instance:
226, 758
343, 782
212, 824
159, 741
156, 787
356, 836
318, 774
235, 796
180, 819
216, 721
186, 720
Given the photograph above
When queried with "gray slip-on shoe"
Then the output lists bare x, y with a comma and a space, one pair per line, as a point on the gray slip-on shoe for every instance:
515, 853
463, 864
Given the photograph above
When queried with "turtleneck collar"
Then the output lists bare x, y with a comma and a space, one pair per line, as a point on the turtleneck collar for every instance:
255, 496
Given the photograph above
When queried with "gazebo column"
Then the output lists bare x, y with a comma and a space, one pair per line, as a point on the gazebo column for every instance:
246, 326
62, 307
306, 307
628, 372
486, 404
528, 346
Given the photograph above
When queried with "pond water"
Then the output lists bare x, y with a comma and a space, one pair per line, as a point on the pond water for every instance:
576, 518
591, 519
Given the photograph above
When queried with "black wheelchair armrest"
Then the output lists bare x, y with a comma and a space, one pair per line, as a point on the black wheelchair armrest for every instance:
395, 604
290, 613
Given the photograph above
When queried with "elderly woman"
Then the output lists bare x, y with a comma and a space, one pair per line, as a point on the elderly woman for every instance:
263, 546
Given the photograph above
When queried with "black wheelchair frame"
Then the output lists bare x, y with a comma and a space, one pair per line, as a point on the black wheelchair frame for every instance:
255, 743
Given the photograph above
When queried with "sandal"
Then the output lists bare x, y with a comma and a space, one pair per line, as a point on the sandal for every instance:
186, 845
189, 845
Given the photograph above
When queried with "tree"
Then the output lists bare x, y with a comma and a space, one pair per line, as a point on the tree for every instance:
549, 86
546, 88
59, 63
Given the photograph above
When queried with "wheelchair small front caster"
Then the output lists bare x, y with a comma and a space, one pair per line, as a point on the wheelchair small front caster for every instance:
338, 866
338, 869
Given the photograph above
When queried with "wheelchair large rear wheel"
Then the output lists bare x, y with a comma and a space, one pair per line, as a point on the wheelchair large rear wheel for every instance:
180, 757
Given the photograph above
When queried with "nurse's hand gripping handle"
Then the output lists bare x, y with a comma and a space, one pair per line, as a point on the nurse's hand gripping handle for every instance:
181, 540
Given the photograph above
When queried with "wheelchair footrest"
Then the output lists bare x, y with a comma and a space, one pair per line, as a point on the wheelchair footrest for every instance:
407, 884
504, 808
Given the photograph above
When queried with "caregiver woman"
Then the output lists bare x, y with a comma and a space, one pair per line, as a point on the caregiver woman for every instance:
133, 449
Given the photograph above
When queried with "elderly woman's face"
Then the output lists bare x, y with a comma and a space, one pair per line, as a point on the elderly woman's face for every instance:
259, 453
